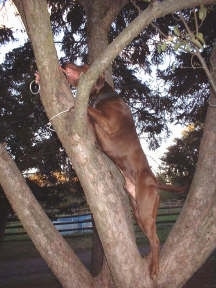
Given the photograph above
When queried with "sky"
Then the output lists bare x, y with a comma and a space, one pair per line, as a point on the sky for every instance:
9, 18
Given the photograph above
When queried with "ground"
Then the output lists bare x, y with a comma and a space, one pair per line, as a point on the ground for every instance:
22, 267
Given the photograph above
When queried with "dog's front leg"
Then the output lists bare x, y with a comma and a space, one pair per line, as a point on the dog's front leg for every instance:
102, 121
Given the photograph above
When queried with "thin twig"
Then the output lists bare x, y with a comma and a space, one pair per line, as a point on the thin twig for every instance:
159, 30
196, 21
199, 56
133, 2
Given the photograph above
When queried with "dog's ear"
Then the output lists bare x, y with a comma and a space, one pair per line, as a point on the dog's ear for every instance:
84, 68
99, 84
73, 72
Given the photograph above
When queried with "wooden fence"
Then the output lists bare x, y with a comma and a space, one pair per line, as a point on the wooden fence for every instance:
81, 221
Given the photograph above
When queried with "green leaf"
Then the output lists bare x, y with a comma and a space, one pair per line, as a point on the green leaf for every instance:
163, 46
200, 37
187, 47
177, 45
196, 42
159, 48
176, 31
202, 12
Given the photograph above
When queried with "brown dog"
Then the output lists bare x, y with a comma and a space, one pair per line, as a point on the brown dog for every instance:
116, 134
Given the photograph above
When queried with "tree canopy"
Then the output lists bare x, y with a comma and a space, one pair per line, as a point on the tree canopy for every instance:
177, 93
179, 162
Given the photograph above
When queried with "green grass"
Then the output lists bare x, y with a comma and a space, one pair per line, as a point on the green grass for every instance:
10, 250
165, 220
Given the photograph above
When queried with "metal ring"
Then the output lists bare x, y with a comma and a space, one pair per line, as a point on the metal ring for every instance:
30, 87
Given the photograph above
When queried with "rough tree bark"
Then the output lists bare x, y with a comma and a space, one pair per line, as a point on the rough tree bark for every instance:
100, 15
193, 238
104, 191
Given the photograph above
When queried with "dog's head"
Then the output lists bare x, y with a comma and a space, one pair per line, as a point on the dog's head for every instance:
73, 73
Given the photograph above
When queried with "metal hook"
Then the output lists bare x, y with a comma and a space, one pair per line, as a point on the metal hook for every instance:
34, 87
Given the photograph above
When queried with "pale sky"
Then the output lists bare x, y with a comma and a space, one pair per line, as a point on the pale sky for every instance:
10, 19
154, 156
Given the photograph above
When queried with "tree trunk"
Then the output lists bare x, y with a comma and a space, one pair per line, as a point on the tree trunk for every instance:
193, 238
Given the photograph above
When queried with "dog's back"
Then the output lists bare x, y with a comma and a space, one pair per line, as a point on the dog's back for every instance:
116, 132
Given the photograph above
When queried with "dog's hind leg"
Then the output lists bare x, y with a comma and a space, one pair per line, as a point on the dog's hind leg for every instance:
147, 202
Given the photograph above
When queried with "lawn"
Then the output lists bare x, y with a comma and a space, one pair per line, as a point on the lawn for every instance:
22, 267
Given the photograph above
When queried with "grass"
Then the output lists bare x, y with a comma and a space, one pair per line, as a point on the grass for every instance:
18, 250
19, 262
165, 220
23, 249
15, 253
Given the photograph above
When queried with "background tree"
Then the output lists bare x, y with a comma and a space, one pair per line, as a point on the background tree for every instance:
74, 133
179, 162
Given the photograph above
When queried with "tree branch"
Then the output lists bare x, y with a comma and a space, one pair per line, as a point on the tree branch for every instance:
58, 254
193, 237
198, 54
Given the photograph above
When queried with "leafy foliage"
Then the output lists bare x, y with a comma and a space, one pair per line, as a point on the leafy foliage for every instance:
6, 35
185, 76
179, 162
